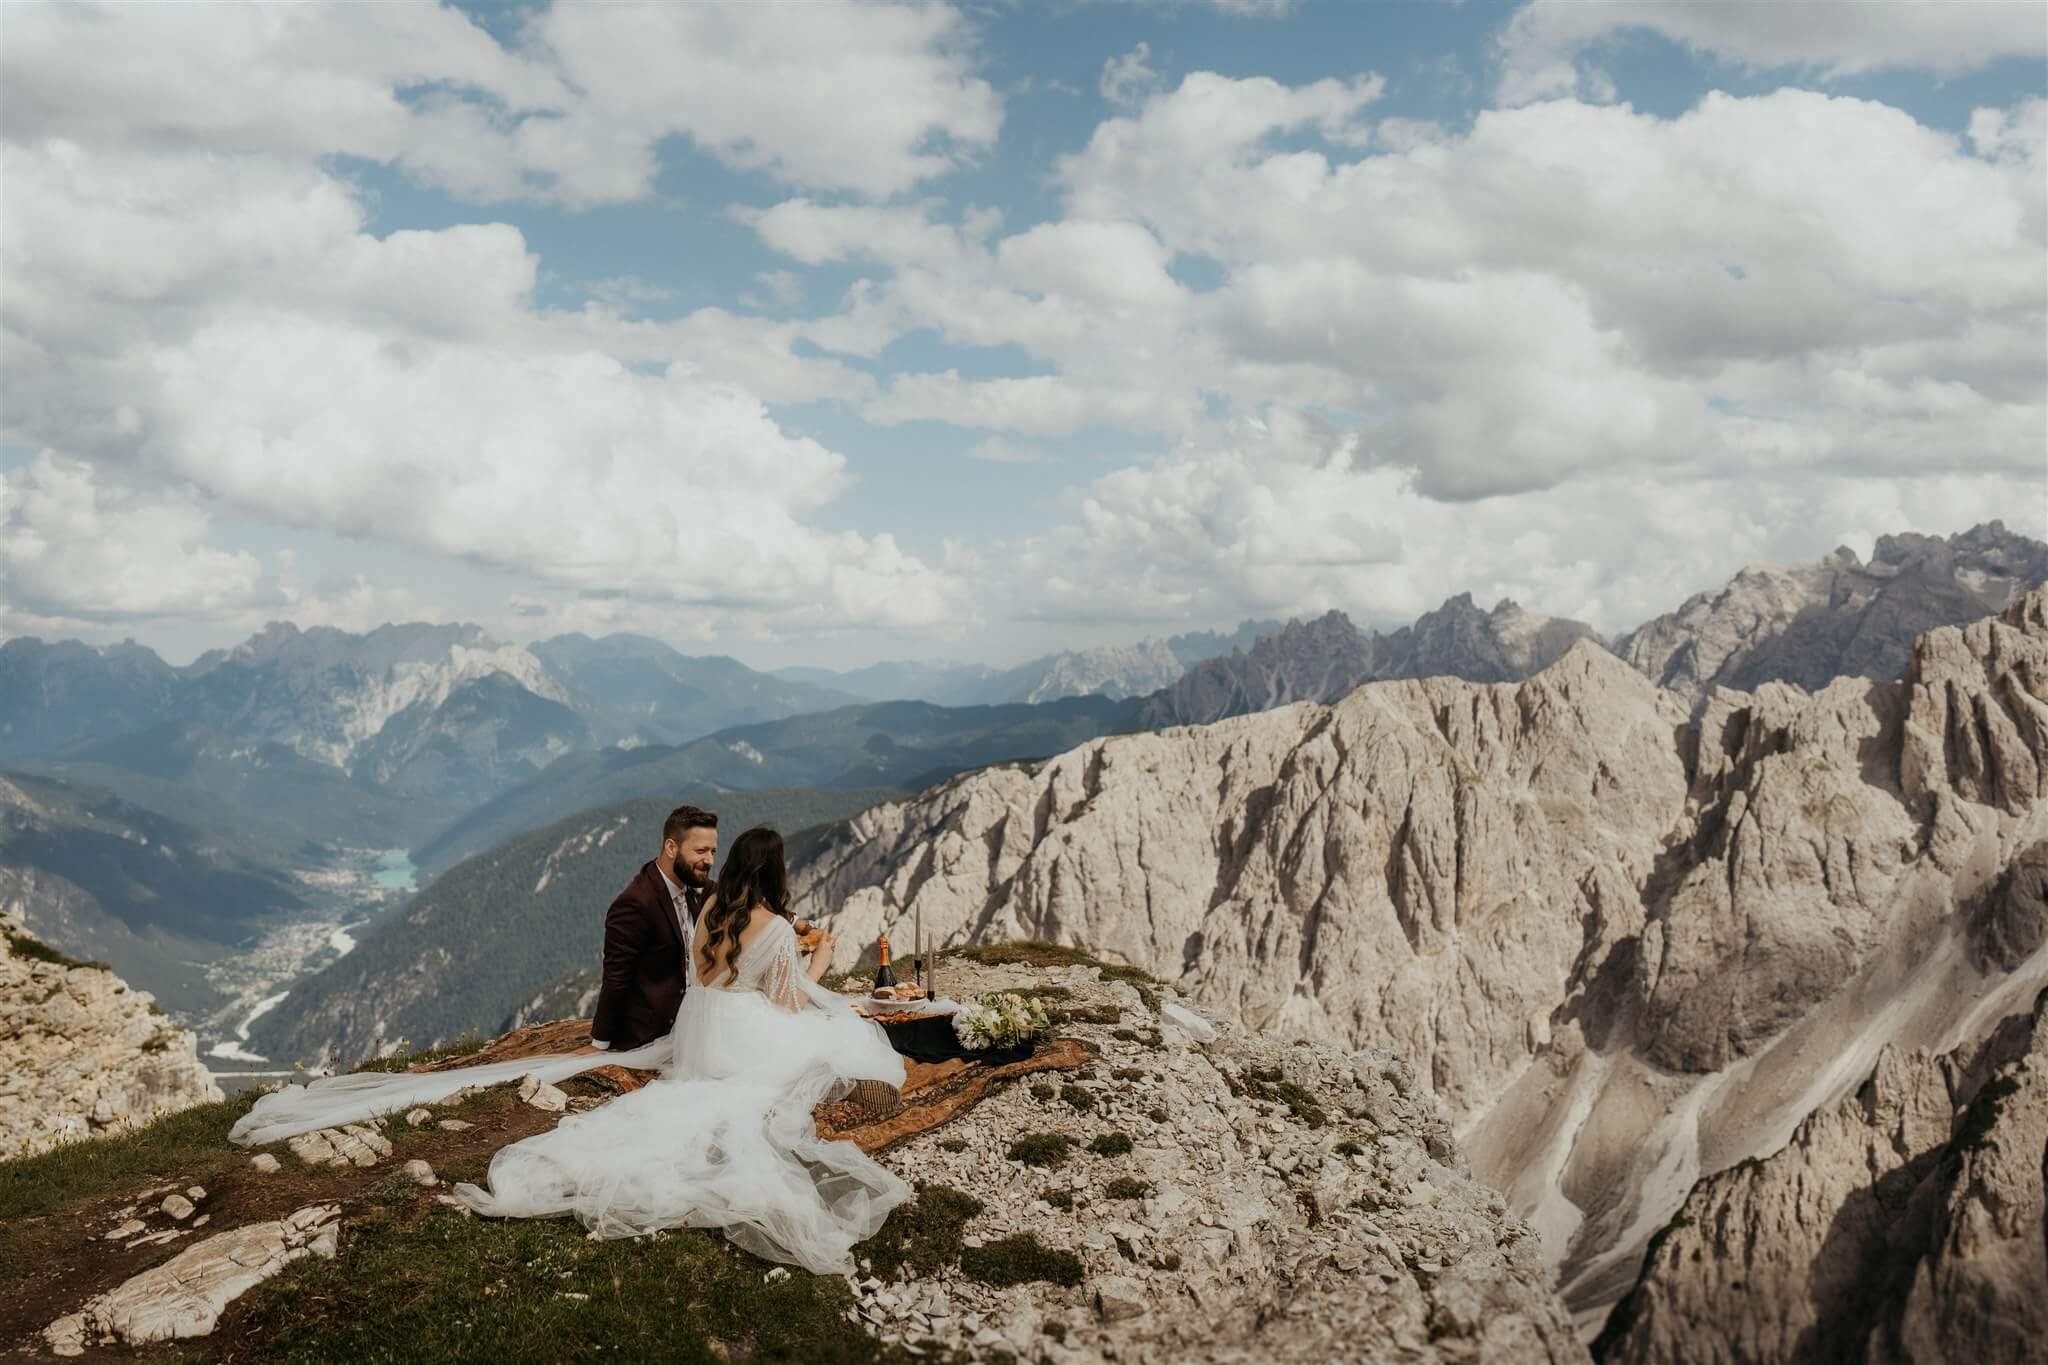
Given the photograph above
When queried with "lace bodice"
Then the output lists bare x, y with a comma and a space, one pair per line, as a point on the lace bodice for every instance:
770, 965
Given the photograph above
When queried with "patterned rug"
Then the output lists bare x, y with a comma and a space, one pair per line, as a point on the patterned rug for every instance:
933, 1092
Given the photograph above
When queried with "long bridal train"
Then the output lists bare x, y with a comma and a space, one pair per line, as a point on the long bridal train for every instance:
723, 1138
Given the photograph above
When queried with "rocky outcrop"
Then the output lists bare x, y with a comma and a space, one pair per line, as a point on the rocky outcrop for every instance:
1323, 659
80, 1053
1903, 1223
1244, 1198
1811, 623
1624, 948
185, 1296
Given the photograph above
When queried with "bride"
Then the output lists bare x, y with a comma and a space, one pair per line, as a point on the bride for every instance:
723, 1137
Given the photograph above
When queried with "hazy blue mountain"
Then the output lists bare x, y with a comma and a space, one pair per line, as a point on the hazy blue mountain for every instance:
886, 744
943, 684
1113, 671
265, 792
104, 879
62, 693
477, 942
487, 734
635, 688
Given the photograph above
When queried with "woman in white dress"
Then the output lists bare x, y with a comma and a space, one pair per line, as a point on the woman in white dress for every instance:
723, 1137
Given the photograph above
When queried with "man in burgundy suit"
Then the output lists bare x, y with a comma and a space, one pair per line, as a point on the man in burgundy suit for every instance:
647, 931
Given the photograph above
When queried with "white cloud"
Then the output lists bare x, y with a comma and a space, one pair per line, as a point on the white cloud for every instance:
872, 99
1281, 517
1542, 48
1570, 286
225, 322
1567, 288
74, 549
1127, 80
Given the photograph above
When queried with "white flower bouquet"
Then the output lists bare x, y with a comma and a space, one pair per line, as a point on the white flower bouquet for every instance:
1000, 1022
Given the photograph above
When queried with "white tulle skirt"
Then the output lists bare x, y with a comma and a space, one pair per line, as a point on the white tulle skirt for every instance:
722, 1139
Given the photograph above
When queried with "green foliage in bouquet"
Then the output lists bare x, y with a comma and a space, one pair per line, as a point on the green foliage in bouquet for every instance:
1001, 1021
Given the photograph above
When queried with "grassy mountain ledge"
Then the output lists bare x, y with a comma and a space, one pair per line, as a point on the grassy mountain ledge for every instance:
1198, 1214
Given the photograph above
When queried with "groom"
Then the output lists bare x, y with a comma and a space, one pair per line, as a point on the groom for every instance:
647, 931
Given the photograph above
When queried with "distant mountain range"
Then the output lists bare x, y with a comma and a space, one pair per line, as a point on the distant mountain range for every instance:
1809, 623
1321, 660
1114, 671
900, 745
634, 689
298, 746
469, 950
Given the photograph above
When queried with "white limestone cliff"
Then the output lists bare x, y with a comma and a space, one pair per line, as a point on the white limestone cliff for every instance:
80, 1054
1626, 950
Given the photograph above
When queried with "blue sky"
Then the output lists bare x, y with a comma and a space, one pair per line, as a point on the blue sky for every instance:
834, 333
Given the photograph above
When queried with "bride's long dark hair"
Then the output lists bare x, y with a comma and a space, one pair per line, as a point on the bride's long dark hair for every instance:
754, 874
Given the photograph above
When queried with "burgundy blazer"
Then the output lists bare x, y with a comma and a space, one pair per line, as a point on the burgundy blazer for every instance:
643, 964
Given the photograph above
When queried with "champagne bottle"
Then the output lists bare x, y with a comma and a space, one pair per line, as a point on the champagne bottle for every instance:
884, 974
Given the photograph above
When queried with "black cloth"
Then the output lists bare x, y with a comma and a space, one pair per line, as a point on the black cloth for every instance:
643, 963
933, 1040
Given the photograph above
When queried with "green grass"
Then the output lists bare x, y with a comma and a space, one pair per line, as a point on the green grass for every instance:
1049, 1150
179, 1143
1111, 1144
924, 1235
1350, 1148
1042, 1091
1020, 1260
1157, 1115
442, 1286
1270, 1084
1063, 1200
1127, 1187
1078, 1096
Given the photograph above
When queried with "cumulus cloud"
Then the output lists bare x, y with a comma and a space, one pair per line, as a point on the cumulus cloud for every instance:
1789, 280
76, 550
227, 324
1128, 79
872, 99
1281, 517
1543, 48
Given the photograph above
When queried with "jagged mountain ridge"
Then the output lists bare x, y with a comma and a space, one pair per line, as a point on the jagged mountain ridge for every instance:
1612, 939
1321, 660
438, 715
1902, 1224
1809, 623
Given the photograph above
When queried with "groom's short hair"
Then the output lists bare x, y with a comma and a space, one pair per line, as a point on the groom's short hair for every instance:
683, 819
